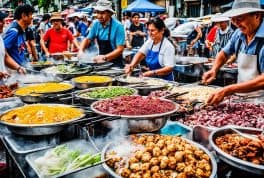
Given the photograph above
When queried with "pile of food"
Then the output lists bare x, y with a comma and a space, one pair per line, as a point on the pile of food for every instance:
240, 114
134, 105
41, 114
159, 156
242, 148
145, 80
200, 93
159, 93
92, 79
62, 159
67, 69
41, 63
7, 91
36, 89
108, 92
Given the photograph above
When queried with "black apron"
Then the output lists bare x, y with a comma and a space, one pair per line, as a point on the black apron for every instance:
105, 47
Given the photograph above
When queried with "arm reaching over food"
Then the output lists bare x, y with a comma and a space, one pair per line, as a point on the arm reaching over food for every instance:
245, 87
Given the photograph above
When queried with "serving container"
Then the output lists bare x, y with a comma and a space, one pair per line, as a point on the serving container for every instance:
111, 145
77, 144
144, 88
39, 129
140, 123
84, 69
88, 100
39, 97
85, 85
233, 161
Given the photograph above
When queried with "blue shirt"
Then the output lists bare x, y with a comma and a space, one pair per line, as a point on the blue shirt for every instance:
14, 40
117, 36
82, 28
232, 45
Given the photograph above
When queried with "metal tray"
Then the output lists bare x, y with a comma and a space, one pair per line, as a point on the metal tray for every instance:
78, 144
110, 145
191, 60
233, 161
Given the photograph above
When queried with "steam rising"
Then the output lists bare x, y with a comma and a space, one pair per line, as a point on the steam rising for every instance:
89, 54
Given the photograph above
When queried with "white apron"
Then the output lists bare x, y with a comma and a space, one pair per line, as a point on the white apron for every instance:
247, 70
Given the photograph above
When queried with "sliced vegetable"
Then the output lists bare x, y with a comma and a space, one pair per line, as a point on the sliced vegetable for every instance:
61, 159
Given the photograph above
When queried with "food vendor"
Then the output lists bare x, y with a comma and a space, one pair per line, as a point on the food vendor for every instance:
109, 34
247, 43
158, 52
3, 73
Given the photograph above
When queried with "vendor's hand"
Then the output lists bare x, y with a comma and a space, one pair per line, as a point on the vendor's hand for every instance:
21, 70
47, 54
209, 76
80, 54
128, 69
217, 97
99, 59
4, 75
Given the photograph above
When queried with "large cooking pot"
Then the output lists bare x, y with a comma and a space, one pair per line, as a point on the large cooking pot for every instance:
231, 160
90, 84
144, 85
88, 100
80, 70
39, 97
112, 145
51, 128
140, 123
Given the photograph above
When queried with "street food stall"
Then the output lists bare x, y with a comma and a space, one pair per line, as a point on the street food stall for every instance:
101, 123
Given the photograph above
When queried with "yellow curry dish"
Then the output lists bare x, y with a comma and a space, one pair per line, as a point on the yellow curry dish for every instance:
36, 89
92, 79
41, 114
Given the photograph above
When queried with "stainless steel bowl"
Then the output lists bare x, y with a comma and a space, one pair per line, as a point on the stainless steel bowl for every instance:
88, 100
85, 85
115, 175
39, 129
141, 123
233, 161
142, 90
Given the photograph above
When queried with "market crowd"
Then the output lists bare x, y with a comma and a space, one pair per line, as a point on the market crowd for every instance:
234, 36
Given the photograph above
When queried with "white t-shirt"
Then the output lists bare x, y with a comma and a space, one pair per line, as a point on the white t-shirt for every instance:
167, 52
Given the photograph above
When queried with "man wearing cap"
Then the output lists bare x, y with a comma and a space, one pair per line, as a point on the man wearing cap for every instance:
14, 38
57, 37
3, 73
108, 32
247, 43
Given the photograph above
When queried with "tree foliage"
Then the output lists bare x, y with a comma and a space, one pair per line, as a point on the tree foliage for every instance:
44, 4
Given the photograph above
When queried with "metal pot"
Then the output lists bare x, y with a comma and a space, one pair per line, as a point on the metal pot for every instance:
111, 145
88, 100
48, 129
85, 85
233, 161
66, 76
41, 97
140, 123
143, 89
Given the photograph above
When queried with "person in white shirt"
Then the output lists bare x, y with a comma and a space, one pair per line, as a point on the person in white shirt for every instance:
158, 52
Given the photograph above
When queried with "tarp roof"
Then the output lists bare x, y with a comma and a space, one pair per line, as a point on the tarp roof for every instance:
143, 6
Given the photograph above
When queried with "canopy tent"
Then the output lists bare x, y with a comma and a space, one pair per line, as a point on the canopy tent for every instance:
143, 6
86, 9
